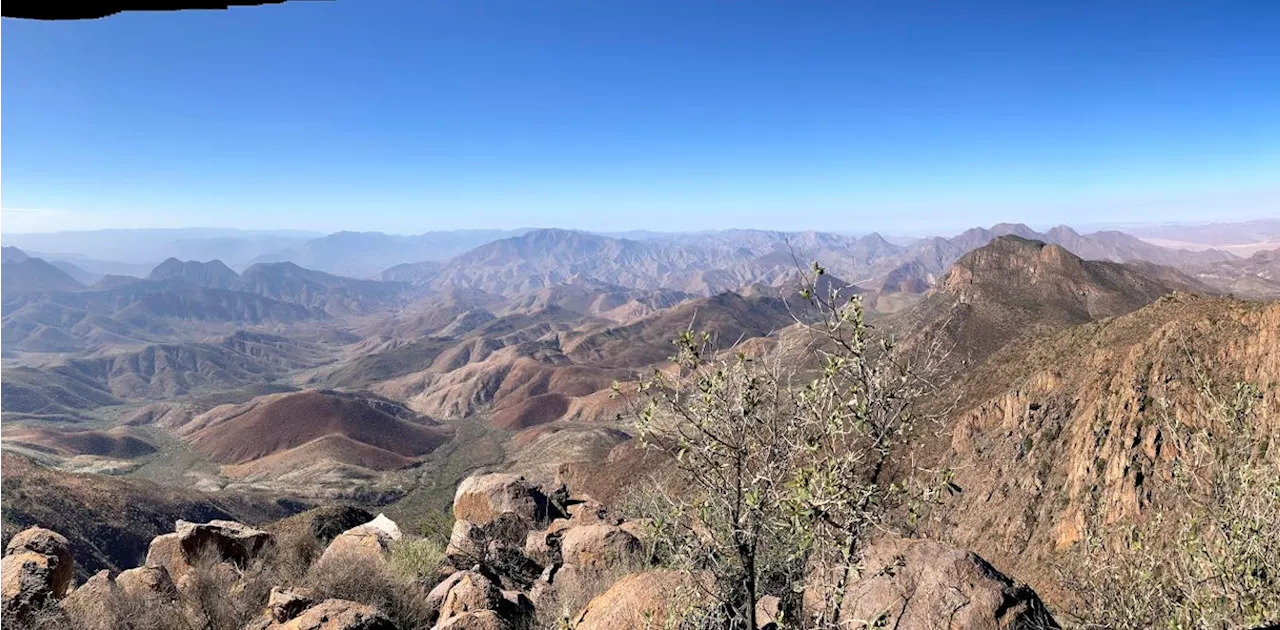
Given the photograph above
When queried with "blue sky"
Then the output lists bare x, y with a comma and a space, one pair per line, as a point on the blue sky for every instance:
409, 115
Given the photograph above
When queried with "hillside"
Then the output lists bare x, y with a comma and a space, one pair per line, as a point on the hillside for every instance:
1056, 431
110, 521
375, 433
1016, 287
167, 370
33, 275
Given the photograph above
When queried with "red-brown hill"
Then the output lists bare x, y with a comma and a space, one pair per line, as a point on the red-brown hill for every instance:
267, 425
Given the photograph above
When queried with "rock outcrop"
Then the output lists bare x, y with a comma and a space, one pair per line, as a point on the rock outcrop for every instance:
908, 583
372, 539
483, 498
641, 599
331, 614
221, 541
37, 568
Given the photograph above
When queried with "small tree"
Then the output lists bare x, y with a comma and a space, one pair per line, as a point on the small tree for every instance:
788, 459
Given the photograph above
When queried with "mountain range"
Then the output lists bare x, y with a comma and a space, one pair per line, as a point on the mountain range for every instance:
202, 386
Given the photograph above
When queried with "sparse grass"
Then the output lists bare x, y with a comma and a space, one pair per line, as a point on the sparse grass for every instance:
418, 558
368, 580
573, 595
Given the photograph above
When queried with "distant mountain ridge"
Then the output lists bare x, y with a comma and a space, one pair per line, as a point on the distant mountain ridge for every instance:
367, 254
709, 263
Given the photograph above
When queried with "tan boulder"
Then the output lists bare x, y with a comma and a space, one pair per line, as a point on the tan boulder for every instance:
435, 598
590, 512
543, 546
482, 498
37, 568
231, 541
147, 580
912, 583
638, 600
466, 543
166, 551
474, 620
372, 539
331, 614
224, 541
599, 546
92, 601
471, 591
768, 612
286, 604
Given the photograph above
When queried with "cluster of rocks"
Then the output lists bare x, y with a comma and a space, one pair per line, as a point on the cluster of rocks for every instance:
517, 557
531, 549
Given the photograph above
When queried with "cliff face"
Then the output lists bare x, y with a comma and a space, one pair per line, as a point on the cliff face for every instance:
1055, 432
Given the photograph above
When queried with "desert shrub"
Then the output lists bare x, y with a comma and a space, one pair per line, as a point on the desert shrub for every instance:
294, 551
572, 596
436, 526
1213, 561
789, 463
49, 616
368, 580
221, 595
419, 558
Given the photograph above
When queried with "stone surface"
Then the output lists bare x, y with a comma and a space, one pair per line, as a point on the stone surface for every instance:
232, 542
371, 540
599, 546
466, 543
166, 551
639, 599
147, 580
767, 612
37, 568
474, 620
92, 600
915, 583
286, 604
226, 542
481, 498
472, 591
331, 614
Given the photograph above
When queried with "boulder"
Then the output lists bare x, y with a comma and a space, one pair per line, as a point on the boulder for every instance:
91, 601
232, 542
638, 600
166, 551
599, 546
480, 499
147, 581
331, 614
590, 512
372, 539
474, 620
768, 612
543, 546
224, 541
435, 598
37, 568
286, 604
322, 524
912, 583
466, 543
471, 591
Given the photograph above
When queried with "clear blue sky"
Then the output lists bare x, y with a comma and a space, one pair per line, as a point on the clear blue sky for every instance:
408, 115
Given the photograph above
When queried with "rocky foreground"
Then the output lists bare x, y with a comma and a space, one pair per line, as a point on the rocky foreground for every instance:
518, 557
